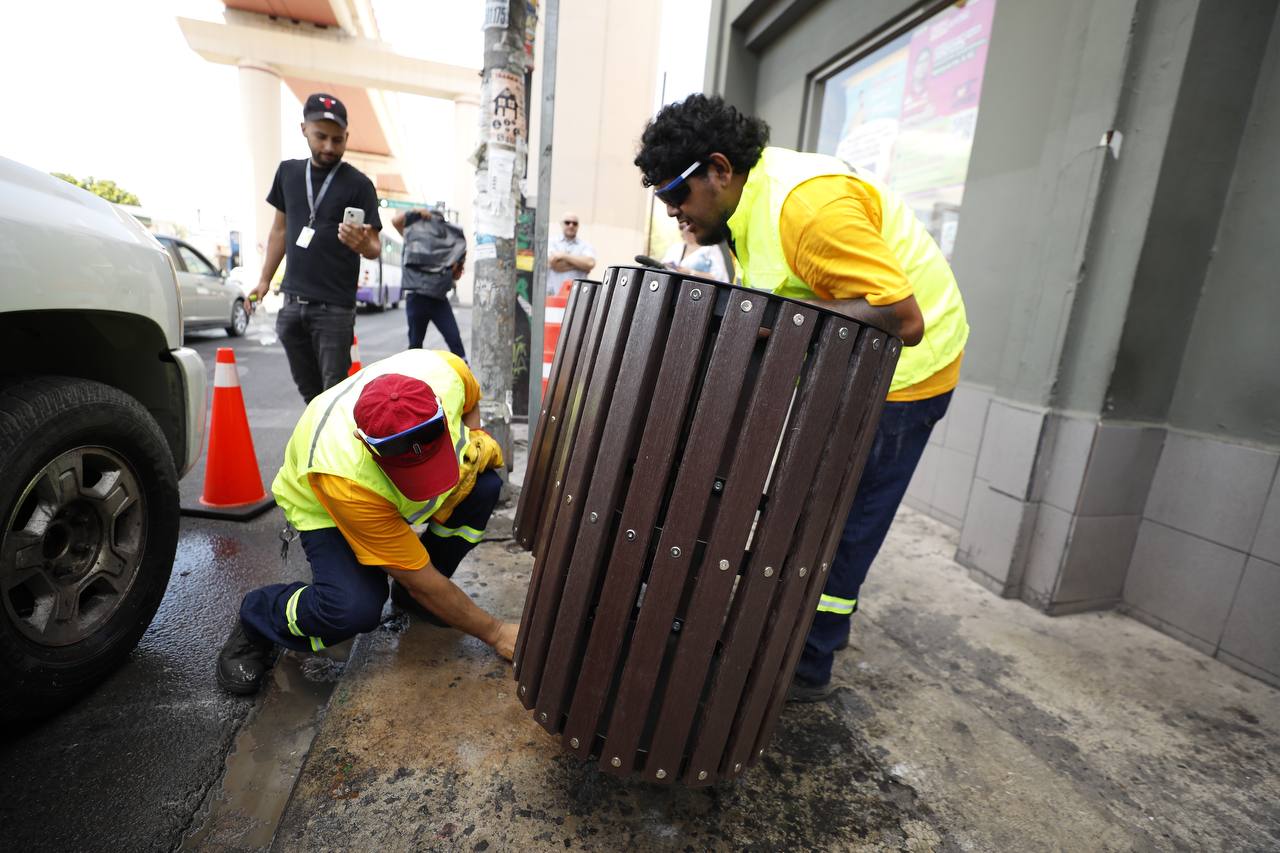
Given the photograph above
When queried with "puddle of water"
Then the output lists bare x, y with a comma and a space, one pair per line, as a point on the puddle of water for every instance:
267, 755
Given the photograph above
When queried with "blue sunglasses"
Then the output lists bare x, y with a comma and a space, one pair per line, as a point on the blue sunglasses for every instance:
411, 440
676, 193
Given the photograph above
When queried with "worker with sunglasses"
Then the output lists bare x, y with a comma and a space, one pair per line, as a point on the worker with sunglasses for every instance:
807, 227
395, 445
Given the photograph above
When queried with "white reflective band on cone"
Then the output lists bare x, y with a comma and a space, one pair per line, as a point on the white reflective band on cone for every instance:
225, 376
546, 370
553, 315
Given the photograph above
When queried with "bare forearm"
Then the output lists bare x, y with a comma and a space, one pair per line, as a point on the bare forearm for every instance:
372, 246
445, 599
275, 254
900, 319
585, 263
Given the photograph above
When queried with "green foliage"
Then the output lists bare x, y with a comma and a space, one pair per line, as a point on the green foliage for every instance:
103, 188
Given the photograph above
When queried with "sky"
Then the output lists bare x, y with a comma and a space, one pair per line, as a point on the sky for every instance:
95, 90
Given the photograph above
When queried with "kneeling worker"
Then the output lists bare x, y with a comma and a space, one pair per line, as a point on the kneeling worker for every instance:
395, 444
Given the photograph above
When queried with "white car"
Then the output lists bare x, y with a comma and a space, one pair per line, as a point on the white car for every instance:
210, 299
102, 409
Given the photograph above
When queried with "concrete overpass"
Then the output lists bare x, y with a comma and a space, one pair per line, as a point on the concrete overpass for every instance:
334, 46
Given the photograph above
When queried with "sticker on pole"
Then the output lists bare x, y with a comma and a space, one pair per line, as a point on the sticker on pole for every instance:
495, 14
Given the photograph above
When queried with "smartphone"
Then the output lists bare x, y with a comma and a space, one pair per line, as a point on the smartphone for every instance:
353, 216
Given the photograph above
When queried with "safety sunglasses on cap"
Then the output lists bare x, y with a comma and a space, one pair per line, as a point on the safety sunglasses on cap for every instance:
411, 440
676, 193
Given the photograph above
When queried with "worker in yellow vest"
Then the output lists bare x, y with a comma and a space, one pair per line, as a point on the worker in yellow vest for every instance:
806, 226
399, 443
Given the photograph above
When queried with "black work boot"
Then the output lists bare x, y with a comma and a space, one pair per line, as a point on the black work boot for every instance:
802, 691
243, 661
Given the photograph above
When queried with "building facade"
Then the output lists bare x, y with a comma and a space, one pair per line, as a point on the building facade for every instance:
1115, 438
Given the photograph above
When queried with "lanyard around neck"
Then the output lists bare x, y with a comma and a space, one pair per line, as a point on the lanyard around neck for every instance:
314, 202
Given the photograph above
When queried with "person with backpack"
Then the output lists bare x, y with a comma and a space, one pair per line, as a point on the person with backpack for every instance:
435, 252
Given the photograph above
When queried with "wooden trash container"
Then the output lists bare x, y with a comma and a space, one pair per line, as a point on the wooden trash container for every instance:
695, 458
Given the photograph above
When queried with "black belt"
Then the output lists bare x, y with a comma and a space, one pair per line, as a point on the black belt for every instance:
307, 300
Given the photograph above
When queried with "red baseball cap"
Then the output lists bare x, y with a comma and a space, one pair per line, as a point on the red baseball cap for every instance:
401, 422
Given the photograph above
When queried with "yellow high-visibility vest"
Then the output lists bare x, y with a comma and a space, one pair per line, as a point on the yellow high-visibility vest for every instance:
324, 441
756, 229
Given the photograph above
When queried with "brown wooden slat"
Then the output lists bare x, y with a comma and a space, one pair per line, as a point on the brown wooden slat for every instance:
770, 401
586, 442
654, 461
643, 339
810, 425
556, 455
576, 400
533, 491
861, 372
721, 389
857, 460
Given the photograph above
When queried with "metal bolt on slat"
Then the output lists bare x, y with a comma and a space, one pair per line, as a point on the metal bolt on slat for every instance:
737, 768
798, 319
746, 305
631, 536
724, 565
675, 627
768, 571
553, 420
675, 552
573, 742
824, 567
661, 774
875, 344
653, 285
702, 774
695, 294
844, 333
543, 716
624, 281
803, 571
760, 753
616, 761
568, 499
523, 690
594, 518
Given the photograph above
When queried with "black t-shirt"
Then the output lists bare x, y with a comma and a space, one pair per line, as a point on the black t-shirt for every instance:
326, 271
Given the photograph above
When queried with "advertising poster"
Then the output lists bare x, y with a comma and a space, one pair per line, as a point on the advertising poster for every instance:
906, 113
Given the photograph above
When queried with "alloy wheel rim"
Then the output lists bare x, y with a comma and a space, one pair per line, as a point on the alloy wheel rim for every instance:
73, 545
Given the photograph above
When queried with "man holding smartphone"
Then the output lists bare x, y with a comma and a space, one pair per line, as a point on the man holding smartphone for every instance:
326, 220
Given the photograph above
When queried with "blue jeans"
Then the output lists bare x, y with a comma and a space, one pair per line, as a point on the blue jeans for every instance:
422, 311
345, 597
899, 442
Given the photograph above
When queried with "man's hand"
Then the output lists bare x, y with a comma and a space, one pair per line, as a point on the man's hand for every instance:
505, 641
557, 262
255, 296
354, 237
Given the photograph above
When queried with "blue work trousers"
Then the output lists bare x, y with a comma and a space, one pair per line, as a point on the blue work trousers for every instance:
422, 311
899, 442
345, 597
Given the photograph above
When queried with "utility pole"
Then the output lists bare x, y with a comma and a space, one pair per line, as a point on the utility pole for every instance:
502, 155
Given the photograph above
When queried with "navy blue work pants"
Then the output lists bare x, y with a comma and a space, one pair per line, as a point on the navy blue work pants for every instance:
899, 442
422, 311
345, 597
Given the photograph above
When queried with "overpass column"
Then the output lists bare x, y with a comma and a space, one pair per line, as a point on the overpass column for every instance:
260, 110
466, 136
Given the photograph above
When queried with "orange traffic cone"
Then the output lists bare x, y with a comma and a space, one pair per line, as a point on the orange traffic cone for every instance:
356, 366
232, 483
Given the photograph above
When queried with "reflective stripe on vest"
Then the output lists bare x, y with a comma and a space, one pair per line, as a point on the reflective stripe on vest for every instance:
324, 441
756, 228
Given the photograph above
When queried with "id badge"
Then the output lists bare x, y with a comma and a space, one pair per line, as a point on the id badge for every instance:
305, 235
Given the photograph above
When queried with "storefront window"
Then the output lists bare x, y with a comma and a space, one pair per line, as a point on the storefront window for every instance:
906, 112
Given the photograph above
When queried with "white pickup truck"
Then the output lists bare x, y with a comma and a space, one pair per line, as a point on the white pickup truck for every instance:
102, 409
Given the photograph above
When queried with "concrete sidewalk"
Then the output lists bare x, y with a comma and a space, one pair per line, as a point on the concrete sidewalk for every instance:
964, 722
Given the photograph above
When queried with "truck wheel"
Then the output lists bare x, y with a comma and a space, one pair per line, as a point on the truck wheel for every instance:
239, 320
89, 507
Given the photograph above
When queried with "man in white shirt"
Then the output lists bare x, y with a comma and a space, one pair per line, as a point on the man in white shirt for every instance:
567, 256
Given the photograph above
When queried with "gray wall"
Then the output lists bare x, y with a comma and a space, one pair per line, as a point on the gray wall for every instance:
1229, 382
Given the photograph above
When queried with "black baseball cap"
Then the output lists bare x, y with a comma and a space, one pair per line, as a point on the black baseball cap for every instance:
322, 107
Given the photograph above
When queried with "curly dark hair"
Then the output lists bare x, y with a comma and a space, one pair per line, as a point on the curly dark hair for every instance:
690, 130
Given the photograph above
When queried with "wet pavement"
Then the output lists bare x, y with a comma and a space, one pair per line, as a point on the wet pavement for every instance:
962, 722
130, 765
